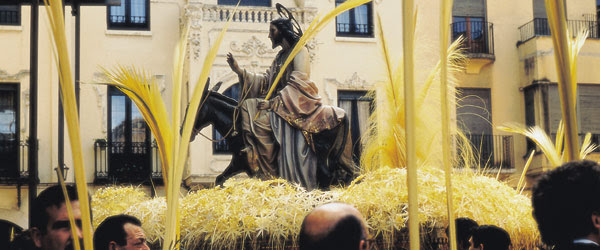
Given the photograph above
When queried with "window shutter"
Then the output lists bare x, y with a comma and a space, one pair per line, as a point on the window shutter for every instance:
589, 108
474, 8
554, 111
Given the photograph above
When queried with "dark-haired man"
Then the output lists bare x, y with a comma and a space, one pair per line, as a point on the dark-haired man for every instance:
464, 230
334, 226
120, 232
51, 229
566, 206
489, 237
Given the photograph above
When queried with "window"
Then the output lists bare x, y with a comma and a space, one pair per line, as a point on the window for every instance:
129, 148
468, 21
474, 117
221, 147
597, 17
10, 14
475, 31
588, 108
9, 131
530, 114
471, 28
358, 109
131, 14
597, 9
266, 3
356, 22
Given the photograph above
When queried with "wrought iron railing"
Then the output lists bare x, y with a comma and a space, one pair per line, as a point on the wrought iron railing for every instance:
490, 151
143, 171
478, 36
354, 29
10, 17
15, 160
540, 27
114, 19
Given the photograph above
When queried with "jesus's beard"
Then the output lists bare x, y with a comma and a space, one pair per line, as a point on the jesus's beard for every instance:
276, 41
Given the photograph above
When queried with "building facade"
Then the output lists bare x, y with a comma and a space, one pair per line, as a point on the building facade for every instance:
510, 77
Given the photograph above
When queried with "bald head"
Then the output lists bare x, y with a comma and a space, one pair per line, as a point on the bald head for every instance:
333, 226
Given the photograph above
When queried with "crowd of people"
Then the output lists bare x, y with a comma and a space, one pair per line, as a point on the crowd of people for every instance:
566, 207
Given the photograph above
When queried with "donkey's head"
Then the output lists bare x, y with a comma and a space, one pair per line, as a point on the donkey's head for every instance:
202, 115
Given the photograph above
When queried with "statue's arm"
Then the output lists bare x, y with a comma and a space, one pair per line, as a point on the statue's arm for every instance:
302, 61
251, 83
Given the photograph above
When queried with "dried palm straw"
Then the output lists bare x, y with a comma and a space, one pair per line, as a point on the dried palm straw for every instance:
271, 212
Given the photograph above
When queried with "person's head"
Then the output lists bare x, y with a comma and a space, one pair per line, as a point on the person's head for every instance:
281, 29
566, 203
120, 232
51, 229
489, 237
334, 226
464, 229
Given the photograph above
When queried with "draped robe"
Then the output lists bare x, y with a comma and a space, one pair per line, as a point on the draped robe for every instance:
279, 139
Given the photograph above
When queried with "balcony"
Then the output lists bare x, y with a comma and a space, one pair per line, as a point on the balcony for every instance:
491, 151
244, 14
540, 27
478, 43
15, 159
118, 162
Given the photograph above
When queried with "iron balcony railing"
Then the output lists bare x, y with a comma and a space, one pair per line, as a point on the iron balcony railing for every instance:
354, 29
115, 19
10, 17
540, 27
130, 163
15, 161
478, 36
490, 151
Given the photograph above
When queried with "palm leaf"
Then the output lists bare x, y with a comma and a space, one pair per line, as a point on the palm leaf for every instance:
522, 178
61, 181
587, 146
566, 69
540, 138
54, 9
446, 11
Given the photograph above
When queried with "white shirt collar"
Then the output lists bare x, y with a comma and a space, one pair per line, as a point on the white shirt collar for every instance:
585, 241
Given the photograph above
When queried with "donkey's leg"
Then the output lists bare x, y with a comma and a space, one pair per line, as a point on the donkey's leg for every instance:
230, 171
236, 166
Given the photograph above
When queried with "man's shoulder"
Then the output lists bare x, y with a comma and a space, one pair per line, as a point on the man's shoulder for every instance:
23, 241
578, 246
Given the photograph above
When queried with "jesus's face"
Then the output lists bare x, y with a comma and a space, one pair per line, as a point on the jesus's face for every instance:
275, 36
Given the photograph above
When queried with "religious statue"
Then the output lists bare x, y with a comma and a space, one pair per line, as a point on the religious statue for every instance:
291, 135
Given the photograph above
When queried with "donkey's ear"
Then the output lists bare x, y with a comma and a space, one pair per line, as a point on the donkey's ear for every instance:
216, 87
206, 86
